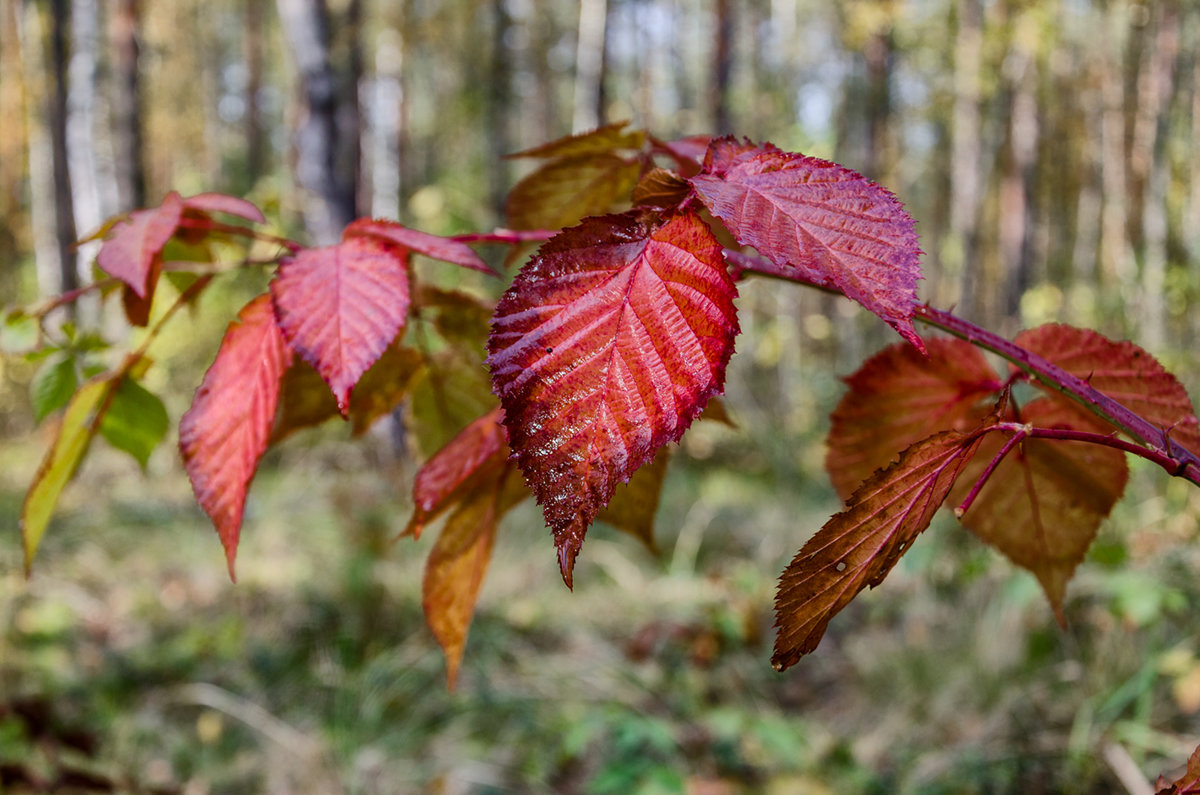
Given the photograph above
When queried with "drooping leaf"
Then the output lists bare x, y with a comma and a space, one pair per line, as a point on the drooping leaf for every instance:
1121, 370
606, 347
136, 420
52, 386
340, 306
634, 504
898, 397
75, 433
224, 203
459, 559
1043, 504
606, 138
1187, 784
829, 224
478, 450
439, 248
859, 546
564, 191
134, 246
224, 433
662, 188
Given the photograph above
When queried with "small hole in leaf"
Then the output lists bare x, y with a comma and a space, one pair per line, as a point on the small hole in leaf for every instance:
549, 350
841, 566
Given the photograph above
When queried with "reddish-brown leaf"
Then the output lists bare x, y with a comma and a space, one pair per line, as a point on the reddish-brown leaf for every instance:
440, 248
459, 559
1122, 371
477, 450
1187, 784
340, 306
223, 435
859, 546
662, 188
830, 225
135, 245
606, 347
898, 397
1042, 505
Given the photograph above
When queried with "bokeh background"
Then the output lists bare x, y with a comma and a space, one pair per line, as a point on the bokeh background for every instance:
1047, 151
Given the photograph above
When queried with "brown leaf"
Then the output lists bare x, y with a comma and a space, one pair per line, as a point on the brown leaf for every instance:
459, 559
899, 396
859, 546
1042, 505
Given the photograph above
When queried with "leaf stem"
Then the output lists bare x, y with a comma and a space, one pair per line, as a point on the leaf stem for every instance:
511, 237
1155, 444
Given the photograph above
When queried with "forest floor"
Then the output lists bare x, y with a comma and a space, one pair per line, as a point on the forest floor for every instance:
130, 662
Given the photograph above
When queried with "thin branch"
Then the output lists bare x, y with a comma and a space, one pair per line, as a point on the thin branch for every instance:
1013, 441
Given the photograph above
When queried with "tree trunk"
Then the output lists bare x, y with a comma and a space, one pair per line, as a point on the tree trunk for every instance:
127, 105
330, 200
966, 183
252, 49
722, 64
589, 65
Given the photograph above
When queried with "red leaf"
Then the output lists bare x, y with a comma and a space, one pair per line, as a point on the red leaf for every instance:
859, 546
135, 244
606, 347
224, 433
1121, 370
477, 449
898, 397
339, 307
829, 224
1187, 784
224, 203
439, 248
1043, 504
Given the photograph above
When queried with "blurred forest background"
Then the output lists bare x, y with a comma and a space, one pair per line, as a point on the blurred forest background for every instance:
1047, 151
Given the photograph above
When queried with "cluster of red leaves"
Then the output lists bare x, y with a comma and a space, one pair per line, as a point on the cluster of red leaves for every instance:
614, 337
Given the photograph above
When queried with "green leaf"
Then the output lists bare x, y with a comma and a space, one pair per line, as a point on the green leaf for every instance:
52, 386
62, 459
136, 421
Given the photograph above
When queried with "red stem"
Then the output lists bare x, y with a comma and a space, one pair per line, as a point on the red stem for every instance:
1154, 443
510, 236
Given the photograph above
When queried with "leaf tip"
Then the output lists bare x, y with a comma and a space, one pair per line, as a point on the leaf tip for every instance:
567, 550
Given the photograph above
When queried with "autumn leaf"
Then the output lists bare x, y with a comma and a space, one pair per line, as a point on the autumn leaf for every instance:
898, 397
606, 138
1122, 371
224, 433
1043, 504
662, 188
134, 246
607, 345
1187, 784
566, 190
433, 246
224, 203
459, 559
859, 546
476, 451
340, 306
828, 224
79, 425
